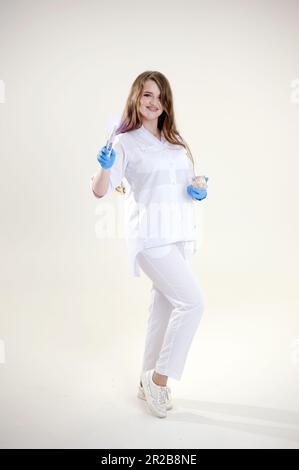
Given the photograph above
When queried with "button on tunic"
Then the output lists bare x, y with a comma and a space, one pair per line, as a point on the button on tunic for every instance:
157, 208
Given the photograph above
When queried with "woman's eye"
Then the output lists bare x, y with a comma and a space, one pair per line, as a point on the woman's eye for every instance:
150, 95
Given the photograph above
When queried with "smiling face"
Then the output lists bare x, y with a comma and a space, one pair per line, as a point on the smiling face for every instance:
150, 104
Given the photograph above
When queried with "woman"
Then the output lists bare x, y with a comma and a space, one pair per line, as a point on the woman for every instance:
155, 163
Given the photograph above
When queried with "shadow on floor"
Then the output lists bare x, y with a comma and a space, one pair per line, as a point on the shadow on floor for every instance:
189, 411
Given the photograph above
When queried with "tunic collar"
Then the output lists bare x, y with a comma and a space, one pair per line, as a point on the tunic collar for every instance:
148, 140
151, 136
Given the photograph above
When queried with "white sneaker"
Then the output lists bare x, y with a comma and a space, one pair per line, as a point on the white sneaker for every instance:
169, 405
155, 395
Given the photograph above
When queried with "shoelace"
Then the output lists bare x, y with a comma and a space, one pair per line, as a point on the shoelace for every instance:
167, 392
162, 395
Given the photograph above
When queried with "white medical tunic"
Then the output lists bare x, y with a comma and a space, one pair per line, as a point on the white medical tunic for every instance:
157, 208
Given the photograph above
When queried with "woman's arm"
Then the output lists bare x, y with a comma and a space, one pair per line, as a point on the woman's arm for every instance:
100, 182
116, 161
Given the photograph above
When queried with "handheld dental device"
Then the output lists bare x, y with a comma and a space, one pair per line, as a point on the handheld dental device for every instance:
111, 138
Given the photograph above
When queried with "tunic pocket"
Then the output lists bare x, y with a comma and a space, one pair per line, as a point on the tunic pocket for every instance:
158, 251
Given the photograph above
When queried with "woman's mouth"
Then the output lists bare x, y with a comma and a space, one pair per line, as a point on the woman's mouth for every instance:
152, 109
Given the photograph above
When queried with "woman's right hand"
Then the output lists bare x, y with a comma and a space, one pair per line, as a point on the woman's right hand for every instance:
105, 159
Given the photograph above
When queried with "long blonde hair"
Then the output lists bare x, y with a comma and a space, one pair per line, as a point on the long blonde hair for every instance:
132, 119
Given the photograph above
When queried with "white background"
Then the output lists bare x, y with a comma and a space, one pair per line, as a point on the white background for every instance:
73, 318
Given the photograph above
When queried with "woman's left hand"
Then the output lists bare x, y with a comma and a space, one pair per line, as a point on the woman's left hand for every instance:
197, 193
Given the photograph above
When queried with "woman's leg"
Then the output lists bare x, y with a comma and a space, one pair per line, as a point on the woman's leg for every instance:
159, 313
175, 316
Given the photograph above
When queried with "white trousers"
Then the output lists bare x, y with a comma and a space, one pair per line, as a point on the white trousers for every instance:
176, 307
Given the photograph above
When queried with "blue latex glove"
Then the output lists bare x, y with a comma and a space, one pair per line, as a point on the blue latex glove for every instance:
197, 193
105, 159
